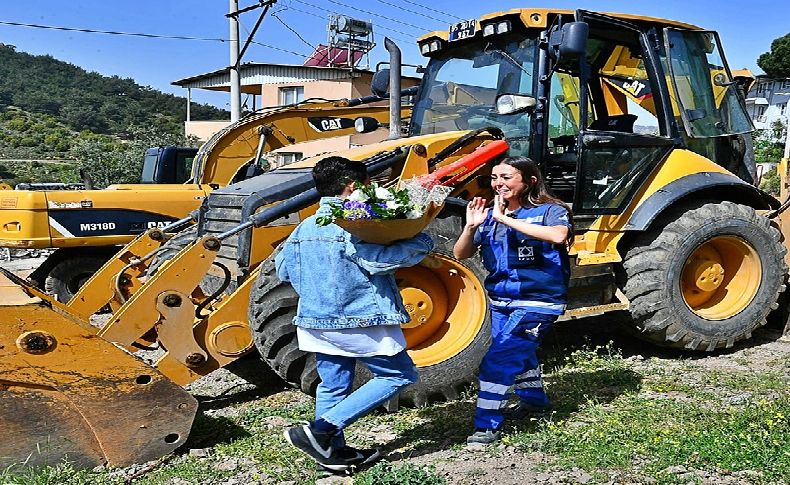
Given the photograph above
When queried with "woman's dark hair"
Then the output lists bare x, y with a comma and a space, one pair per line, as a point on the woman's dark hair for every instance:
331, 174
537, 193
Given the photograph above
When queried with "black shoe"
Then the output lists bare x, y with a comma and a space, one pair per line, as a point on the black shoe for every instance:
360, 456
354, 457
318, 446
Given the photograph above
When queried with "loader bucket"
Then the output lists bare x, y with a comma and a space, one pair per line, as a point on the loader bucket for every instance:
66, 393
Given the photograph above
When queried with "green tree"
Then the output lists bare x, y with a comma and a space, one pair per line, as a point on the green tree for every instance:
769, 143
108, 160
776, 63
769, 182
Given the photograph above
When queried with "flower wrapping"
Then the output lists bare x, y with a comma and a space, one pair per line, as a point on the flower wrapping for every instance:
383, 215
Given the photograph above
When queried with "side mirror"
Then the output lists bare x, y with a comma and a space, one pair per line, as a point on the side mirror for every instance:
569, 41
380, 84
366, 124
507, 104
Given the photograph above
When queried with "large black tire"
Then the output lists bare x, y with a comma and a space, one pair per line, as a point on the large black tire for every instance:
704, 276
273, 306
69, 274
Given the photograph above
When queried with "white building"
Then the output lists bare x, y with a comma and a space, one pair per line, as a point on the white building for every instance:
767, 101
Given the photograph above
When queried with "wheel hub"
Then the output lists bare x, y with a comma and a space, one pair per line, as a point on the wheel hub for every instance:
447, 307
705, 272
721, 277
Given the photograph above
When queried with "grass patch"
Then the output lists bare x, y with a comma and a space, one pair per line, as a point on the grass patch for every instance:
591, 374
652, 435
62, 474
388, 474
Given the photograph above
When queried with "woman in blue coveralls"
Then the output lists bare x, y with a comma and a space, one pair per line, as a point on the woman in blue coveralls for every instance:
523, 241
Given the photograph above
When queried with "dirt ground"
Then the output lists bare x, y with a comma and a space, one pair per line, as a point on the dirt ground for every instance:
501, 465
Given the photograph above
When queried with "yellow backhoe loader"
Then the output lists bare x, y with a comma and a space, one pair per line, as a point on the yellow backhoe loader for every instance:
86, 227
636, 121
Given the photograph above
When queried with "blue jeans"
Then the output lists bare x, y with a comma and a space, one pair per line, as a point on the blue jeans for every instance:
337, 404
511, 362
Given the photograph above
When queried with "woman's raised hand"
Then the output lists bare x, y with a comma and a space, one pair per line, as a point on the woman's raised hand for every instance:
476, 212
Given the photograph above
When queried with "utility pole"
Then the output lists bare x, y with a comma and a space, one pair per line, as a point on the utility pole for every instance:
236, 54
235, 80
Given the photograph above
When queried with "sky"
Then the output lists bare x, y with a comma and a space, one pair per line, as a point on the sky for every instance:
292, 27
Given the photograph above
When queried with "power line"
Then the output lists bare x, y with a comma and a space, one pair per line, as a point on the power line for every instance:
338, 13
432, 9
139, 34
422, 29
292, 30
411, 11
111, 32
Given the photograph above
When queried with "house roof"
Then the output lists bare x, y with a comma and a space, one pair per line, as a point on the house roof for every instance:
255, 74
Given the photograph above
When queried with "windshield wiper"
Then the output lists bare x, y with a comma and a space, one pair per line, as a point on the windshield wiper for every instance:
508, 57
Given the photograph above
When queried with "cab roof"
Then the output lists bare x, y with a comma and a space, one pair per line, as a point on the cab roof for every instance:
538, 17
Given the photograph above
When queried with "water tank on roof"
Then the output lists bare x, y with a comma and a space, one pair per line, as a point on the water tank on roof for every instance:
353, 26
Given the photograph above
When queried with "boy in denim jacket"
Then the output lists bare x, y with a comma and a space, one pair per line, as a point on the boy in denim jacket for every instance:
349, 309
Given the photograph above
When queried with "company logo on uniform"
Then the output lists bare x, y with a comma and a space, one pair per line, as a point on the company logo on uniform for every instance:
525, 252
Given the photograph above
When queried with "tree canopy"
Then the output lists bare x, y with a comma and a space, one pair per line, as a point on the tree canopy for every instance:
87, 100
57, 118
776, 63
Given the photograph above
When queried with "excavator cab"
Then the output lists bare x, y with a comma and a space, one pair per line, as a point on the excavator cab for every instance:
167, 165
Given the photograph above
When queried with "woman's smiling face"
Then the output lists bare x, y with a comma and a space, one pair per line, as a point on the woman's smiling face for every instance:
507, 182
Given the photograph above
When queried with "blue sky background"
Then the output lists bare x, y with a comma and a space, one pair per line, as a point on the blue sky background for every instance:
746, 29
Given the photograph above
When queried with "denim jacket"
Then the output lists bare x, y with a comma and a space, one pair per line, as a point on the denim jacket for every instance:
343, 282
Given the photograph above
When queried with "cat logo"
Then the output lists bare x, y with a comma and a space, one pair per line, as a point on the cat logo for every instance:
158, 224
321, 124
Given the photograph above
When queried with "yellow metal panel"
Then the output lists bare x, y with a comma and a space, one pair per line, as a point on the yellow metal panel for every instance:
607, 230
23, 219
139, 314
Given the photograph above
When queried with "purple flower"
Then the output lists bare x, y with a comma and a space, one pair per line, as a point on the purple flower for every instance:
354, 210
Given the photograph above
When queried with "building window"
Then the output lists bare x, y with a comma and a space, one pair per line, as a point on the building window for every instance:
762, 88
760, 110
291, 95
782, 108
285, 158
786, 84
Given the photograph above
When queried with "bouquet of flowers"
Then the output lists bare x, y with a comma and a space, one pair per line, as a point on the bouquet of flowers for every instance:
383, 215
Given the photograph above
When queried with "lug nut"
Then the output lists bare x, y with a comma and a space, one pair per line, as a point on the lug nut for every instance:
211, 244
172, 300
156, 235
194, 359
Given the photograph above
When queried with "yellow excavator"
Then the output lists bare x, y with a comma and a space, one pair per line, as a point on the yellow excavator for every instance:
636, 121
86, 227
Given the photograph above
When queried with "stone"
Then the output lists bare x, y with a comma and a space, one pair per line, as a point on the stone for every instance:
200, 452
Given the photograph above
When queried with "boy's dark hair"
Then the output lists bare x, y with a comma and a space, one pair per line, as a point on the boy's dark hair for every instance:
331, 174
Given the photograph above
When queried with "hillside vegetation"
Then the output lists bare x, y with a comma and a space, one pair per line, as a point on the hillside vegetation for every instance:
53, 110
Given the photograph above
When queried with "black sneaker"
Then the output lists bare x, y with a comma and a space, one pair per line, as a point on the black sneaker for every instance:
318, 446
354, 457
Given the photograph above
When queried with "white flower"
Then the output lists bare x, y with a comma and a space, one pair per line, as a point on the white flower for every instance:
383, 194
414, 213
392, 204
358, 196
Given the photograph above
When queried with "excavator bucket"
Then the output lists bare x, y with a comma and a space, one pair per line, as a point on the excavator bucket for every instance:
66, 393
